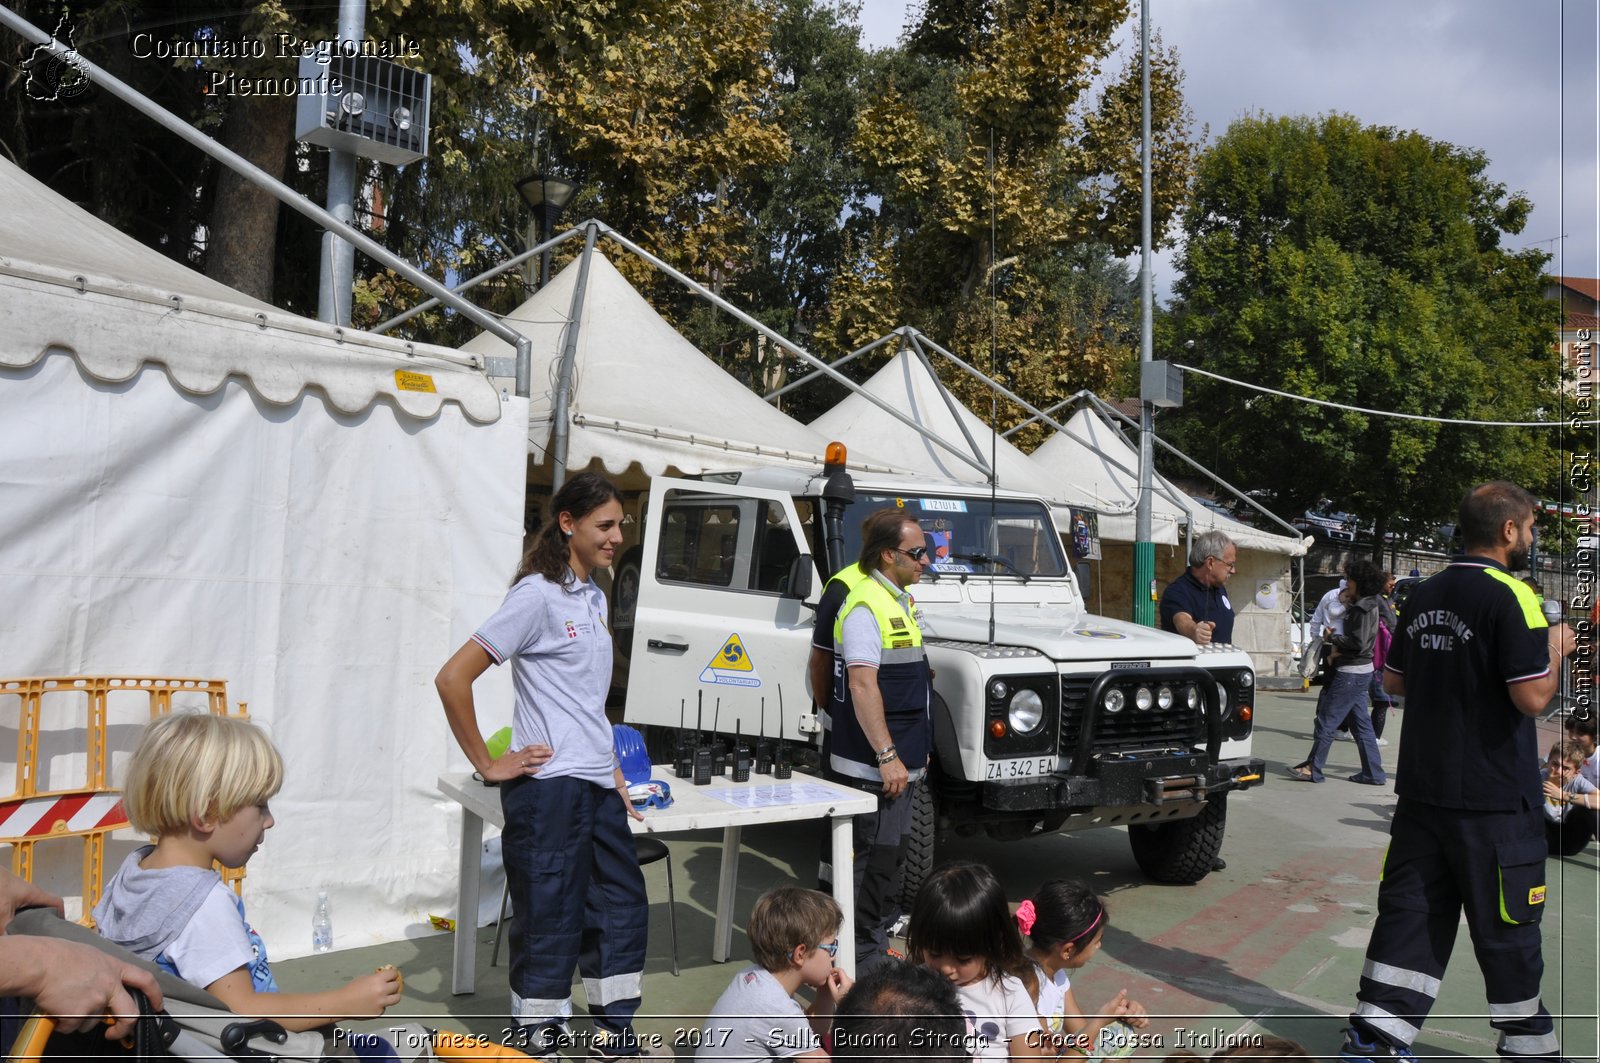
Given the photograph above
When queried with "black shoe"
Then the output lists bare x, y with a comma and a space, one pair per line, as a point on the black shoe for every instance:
542, 1038
1357, 1049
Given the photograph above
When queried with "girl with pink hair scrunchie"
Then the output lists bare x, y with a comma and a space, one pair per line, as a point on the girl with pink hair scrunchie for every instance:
1064, 923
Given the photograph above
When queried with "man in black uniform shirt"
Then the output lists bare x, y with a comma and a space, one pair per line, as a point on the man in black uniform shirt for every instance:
1473, 660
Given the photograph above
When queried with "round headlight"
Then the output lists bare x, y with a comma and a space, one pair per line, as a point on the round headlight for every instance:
997, 690
1114, 700
1164, 698
1027, 711
1247, 679
1222, 698
1143, 699
353, 104
1191, 697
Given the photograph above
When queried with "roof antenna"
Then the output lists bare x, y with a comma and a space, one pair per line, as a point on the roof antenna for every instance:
994, 397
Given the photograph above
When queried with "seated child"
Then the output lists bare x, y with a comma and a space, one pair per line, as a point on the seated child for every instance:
1568, 797
199, 784
794, 937
1065, 922
961, 926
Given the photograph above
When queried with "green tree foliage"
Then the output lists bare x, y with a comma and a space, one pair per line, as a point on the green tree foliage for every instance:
1363, 266
999, 126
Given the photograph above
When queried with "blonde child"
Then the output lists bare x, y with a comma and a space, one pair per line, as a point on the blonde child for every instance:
1064, 923
1565, 790
794, 937
961, 926
199, 784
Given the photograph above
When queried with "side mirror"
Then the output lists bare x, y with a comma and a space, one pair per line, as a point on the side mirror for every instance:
801, 578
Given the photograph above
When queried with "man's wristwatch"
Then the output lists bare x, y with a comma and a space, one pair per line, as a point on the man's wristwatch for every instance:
887, 753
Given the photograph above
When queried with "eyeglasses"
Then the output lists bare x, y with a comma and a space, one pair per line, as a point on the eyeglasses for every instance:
1232, 567
832, 948
916, 554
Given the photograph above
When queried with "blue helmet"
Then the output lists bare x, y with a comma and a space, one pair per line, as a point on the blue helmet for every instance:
628, 744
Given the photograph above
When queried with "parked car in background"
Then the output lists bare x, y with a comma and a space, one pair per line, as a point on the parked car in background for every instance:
1326, 524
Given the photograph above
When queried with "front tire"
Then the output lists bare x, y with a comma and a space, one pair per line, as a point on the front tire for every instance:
1183, 852
920, 843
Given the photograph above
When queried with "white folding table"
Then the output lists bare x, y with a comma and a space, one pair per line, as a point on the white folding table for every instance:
726, 804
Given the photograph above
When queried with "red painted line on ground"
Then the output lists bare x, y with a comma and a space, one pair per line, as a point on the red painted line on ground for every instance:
1239, 938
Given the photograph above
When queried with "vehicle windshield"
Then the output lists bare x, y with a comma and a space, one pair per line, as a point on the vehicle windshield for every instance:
971, 536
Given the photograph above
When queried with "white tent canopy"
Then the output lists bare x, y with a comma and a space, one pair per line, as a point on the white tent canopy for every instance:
642, 393
1097, 457
906, 384
199, 485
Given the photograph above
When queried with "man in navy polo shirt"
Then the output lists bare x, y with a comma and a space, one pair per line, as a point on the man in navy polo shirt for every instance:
1195, 605
1473, 659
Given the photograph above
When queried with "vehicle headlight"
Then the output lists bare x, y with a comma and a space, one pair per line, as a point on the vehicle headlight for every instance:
1143, 699
1191, 697
1247, 679
1164, 698
1026, 711
1114, 700
997, 690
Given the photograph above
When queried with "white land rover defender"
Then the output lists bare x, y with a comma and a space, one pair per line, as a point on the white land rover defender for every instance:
1046, 717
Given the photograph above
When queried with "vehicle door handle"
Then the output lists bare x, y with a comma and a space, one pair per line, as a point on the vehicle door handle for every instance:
673, 647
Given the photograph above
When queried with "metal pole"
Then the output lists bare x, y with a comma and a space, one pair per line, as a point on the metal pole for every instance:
338, 257
799, 352
561, 416
472, 282
284, 194
1144, 550
955, 410
852, 356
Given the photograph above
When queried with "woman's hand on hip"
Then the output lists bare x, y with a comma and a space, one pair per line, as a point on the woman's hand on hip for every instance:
515, 762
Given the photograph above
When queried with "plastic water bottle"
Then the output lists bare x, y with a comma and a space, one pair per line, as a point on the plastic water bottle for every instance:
322, 925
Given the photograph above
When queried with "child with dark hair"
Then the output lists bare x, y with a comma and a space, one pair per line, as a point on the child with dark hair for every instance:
1065, 922
794, 936
961, 926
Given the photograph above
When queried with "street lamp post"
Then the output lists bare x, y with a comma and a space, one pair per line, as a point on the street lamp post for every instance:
547, 197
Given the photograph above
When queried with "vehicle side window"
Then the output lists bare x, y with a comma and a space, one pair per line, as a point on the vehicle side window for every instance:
699, 543
735, 543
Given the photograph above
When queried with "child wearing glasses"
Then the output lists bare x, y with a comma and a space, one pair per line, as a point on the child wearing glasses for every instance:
794, 936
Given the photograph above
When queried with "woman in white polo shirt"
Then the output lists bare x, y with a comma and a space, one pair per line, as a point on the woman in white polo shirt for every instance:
577, 895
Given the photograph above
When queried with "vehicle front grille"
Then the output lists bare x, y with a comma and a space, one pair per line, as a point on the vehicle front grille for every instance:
1129, 729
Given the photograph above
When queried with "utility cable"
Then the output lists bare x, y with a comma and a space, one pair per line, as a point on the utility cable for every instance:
1387, 413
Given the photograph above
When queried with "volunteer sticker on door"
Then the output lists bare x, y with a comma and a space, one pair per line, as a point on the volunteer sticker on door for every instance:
731, 666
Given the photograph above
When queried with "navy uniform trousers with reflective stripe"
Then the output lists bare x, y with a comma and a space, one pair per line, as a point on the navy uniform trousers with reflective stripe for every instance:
577, 900
1441, 861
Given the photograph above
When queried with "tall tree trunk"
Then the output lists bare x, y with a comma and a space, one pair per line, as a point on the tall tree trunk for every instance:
244, 219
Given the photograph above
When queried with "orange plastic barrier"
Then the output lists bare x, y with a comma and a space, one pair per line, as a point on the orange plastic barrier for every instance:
94, 809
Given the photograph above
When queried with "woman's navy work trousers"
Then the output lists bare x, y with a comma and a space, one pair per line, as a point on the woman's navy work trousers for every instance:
577, 901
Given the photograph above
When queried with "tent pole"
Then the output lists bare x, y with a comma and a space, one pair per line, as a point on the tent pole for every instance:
1048, 411
1105, 410
488, 274
950, 403
1038, 414
561, 416
852, 356
259, 177
799, 352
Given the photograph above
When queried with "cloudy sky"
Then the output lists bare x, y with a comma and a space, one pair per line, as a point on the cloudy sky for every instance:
1486, 74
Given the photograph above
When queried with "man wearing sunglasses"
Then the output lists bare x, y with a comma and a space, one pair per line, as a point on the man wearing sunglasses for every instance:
1196, 604
878, 731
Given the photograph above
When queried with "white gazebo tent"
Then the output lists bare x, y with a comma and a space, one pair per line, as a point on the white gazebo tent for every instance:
1093, 451
200, 485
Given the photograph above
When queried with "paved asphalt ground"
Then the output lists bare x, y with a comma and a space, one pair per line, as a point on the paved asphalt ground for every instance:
1272, 944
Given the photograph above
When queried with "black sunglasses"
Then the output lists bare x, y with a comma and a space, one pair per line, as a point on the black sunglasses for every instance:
916, 554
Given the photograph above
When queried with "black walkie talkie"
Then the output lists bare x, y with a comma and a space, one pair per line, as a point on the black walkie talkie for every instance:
683, 753
781, 767
702, 753
741, 755
763, 745
719, 751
